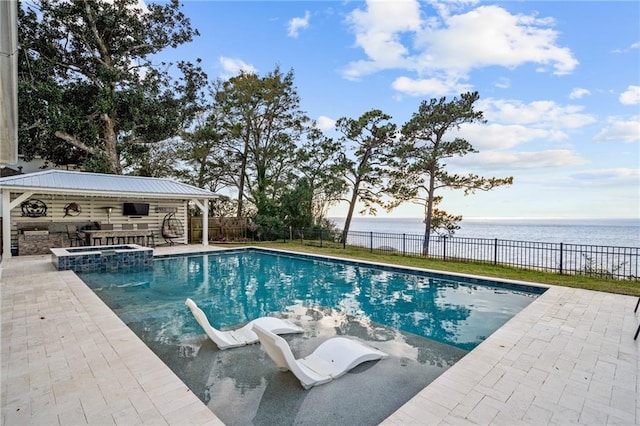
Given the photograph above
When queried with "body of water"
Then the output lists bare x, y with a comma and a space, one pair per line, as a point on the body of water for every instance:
599, 232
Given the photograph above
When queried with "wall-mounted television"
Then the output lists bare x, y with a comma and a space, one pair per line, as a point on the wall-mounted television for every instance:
135, 209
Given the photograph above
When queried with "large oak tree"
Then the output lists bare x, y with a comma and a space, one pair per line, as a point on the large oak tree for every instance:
88, 87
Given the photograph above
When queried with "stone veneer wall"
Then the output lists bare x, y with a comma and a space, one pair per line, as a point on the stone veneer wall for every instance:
40, 244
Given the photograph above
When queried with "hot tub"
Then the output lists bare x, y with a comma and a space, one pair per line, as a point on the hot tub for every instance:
102, 258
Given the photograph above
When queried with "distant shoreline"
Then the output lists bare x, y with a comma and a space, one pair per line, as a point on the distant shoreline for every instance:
621, 232
474, 218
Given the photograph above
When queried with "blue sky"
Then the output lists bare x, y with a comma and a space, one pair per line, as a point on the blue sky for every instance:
559, 84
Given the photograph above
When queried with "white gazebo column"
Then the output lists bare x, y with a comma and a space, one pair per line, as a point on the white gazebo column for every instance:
7, 205
204, 208
6, 225
205, 223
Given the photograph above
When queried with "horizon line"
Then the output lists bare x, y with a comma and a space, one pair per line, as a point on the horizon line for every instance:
495, 218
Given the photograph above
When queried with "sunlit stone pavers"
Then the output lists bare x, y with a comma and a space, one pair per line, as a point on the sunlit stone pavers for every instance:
68, 360
568, 358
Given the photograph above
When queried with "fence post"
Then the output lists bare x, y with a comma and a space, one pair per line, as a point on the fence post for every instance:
561, 250
444, 248
371, 242
495, 251
344, 240
404, 251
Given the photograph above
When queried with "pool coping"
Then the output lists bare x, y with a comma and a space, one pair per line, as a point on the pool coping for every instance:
568, 357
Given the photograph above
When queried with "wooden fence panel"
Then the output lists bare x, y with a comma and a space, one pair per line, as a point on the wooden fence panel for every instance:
220, 229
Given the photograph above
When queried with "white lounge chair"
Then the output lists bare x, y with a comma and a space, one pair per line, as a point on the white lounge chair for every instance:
241, 336
333, 358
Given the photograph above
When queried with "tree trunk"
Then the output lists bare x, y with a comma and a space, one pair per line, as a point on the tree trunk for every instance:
243, 167
110, 142
352, 206
428, 215
427, 236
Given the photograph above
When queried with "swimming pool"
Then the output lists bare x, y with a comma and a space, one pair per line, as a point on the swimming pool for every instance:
425, 321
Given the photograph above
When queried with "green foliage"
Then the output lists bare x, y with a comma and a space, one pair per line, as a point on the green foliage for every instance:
443, 223
418, 167
87, 86
261, 122
149, 159
268, 228
205, 162
222, 207
296, 206
219, 207
318, 161
372, 136
592, 268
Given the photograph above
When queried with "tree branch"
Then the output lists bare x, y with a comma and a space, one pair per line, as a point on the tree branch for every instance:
72, 140
104, 51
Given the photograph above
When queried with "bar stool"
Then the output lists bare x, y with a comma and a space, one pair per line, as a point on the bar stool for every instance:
108, 227
151, 240
142, 239
128, 238
75, 236
97, 241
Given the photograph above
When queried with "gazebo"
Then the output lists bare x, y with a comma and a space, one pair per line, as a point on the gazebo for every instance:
49, 200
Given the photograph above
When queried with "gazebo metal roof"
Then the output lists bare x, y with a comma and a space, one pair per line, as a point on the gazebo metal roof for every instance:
62, 181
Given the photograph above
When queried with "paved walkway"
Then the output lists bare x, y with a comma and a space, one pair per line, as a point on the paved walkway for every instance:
568, 358
67, 359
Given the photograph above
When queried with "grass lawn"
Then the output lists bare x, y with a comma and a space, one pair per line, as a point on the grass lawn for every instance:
627, 287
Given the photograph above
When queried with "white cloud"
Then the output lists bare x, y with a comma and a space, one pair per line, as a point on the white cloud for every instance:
545, 114
489, 36
578, 93
325, 123
233, 66
378, 32
296, 24
618, 130
503, 83
608, 177
499, 136
446, 8
429, 86
626, 49
631, 96
523, 160
393, 36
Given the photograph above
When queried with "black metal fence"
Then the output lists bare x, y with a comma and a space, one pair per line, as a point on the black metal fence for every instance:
562, 258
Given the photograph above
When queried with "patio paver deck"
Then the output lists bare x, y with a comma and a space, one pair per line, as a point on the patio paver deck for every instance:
568, 358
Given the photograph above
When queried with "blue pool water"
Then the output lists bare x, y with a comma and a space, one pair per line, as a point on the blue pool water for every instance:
425, 322
235, 287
